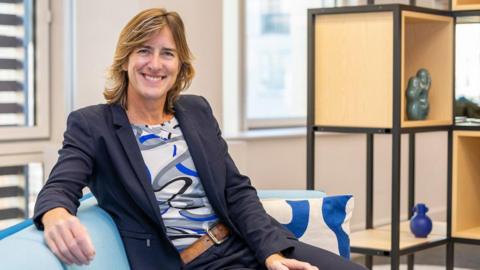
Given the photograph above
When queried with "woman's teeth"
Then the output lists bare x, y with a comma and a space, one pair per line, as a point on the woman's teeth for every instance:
154, 78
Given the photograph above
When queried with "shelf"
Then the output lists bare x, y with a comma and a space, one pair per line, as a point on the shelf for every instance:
428, 43
466, 185
350, 129
466, 5
473, 233
354, 67
467, 126
426, 123
380, 238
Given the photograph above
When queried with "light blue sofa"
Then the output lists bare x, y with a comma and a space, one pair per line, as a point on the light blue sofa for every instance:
22, 246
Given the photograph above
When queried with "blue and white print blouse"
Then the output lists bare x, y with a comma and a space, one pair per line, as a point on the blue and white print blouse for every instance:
185, 209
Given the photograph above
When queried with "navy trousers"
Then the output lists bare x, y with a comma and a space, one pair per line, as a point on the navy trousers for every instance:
234, 254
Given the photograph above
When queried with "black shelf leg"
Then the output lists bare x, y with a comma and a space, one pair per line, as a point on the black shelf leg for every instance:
450, 255
396, 141
410, 261
411, 188
450, 260
369, 261
369, 203
395, 224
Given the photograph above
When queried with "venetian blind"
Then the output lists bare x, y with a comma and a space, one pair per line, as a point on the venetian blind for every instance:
16, 63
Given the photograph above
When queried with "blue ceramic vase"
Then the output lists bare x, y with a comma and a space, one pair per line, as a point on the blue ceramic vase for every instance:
420, 224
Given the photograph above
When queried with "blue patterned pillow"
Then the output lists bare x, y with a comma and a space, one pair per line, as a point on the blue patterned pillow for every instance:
321, 222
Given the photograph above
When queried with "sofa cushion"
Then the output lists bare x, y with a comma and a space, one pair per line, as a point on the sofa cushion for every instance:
321, 222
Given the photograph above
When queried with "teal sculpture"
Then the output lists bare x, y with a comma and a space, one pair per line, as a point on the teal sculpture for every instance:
417, 95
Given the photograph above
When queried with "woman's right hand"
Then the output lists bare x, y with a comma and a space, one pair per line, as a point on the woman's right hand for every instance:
67, 237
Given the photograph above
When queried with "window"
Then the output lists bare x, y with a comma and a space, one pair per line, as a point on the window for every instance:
467, 68
275, 68
24, 69
20, 182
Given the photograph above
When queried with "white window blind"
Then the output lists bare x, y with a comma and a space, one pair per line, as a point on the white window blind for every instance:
16, 63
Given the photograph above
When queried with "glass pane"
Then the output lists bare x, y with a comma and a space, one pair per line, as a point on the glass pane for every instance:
16, 64
276, 56
19, 187
435, 4
382, 2
467, 70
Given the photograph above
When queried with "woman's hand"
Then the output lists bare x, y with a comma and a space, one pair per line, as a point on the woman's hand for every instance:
67, 237
278, 262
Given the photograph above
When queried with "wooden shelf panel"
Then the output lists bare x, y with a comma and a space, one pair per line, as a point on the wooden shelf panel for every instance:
426, 123
428, 43
380, 238
473, 233
354, 69
466, 184
466, 5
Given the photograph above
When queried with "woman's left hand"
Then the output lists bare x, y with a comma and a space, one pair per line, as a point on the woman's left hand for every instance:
278, 262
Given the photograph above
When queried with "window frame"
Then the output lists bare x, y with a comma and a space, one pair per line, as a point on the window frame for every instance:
41, 82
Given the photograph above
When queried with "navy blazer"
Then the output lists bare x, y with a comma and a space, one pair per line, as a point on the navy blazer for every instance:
100, 151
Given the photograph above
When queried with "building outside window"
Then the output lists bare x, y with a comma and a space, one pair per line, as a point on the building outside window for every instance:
16, 64
20, 184
24, 69
467, 57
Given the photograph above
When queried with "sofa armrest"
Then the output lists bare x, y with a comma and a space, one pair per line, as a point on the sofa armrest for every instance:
25, 248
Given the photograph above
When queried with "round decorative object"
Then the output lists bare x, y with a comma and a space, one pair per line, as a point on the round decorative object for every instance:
420, 224
417, 95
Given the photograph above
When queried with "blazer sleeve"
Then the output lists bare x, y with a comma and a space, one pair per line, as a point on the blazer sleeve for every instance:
71, 172
262, 234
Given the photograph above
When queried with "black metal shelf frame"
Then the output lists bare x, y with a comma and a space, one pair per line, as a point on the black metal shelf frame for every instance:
396, 131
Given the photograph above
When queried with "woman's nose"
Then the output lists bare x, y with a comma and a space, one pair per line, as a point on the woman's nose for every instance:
155, 63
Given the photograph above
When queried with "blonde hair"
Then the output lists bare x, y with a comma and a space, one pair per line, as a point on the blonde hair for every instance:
139, 30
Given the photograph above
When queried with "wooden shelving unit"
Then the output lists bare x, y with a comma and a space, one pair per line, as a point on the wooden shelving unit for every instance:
354, 56
466, 185
360, 61
465, 5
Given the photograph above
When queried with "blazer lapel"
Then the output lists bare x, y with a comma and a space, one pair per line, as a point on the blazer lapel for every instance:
190, 130
141, 188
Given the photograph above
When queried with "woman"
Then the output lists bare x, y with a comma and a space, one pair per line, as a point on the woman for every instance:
156, 162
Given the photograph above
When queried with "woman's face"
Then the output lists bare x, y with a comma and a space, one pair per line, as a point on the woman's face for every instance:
153, 68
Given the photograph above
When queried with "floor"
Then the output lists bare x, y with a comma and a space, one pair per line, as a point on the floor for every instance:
417, 267
467, 257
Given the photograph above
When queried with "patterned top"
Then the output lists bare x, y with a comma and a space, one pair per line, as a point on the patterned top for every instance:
182, 202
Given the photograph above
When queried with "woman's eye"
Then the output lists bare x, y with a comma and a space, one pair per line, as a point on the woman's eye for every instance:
142, 51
